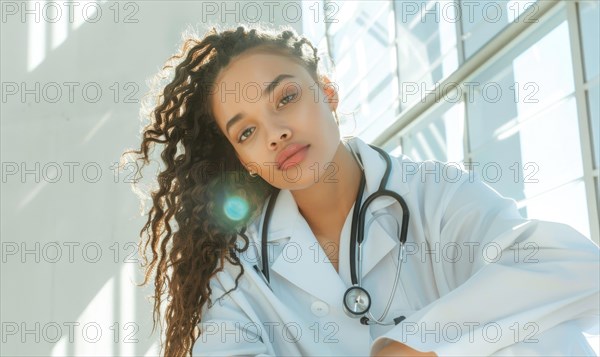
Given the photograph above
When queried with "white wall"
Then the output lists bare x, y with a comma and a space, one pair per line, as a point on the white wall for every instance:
66, 236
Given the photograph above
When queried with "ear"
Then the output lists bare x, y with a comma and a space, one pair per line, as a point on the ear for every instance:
331, 92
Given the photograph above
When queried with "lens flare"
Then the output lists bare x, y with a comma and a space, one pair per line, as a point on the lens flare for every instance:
235, 208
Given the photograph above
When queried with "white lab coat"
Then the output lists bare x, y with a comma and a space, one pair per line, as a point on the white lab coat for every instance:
478, 279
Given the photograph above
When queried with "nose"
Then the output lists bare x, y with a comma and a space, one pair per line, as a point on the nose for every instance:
277, 135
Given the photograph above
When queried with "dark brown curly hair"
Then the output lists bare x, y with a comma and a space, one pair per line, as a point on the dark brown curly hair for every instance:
201, 171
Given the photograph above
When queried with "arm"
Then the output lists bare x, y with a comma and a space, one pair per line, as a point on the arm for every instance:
395, 348
228, 327
521, 277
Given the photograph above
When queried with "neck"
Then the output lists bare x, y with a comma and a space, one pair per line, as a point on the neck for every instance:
326, 204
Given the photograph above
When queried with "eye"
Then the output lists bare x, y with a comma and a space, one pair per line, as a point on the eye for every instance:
288, 98
245, 134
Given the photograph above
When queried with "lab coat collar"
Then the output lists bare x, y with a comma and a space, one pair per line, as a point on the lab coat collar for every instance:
288, 225
375, 166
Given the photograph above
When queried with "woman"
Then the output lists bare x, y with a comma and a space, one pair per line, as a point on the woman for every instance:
249, 132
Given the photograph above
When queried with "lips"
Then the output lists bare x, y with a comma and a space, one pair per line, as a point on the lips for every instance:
291, 155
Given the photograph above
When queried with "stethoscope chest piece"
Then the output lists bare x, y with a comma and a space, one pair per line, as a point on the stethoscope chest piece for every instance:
357, 301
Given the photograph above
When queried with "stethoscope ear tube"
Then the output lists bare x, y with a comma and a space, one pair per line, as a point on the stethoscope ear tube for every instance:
354, 228
263, 254
405, 214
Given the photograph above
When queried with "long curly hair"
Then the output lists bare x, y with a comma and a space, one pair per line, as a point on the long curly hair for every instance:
200, 172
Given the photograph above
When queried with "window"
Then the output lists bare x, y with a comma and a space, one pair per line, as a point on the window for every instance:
516, 122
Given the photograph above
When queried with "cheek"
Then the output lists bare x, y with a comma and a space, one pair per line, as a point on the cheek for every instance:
319, 116
328, 126
254, 159
244, 158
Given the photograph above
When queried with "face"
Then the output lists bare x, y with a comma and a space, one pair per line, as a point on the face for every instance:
277, 118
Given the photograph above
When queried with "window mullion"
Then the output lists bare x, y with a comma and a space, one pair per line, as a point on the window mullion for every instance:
585, 138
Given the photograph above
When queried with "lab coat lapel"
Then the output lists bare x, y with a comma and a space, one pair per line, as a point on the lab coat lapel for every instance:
382, 224
301, 261
381, 237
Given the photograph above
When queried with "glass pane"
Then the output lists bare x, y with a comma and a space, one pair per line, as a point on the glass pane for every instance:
371, 129
518, 85
566, 204
313, 27
366, 55
499, 165
380, 97
427, 52
371, 95
488, 110
589, 17
438, 137
536, 89
594, 110
350, 102
529, 162
555, 164
354, 17
482, 20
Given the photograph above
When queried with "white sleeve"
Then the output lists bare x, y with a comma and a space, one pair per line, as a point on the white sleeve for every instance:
521, 278
229, 327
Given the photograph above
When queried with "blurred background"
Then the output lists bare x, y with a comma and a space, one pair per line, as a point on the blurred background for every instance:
508, 89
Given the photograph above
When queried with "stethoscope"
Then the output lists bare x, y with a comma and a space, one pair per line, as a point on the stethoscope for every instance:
357, 301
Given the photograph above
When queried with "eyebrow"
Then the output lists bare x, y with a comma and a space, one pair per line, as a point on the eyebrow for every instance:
266, 92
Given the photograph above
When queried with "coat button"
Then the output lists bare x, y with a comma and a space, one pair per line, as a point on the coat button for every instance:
319, 308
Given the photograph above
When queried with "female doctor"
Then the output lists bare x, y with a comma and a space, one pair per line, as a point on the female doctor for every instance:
291, 241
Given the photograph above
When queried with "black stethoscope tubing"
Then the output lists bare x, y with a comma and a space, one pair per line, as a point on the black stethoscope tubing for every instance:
359, 225
264, 254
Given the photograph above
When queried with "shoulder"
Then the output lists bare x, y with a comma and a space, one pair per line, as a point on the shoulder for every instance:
440, 190
431, 171
431, 177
